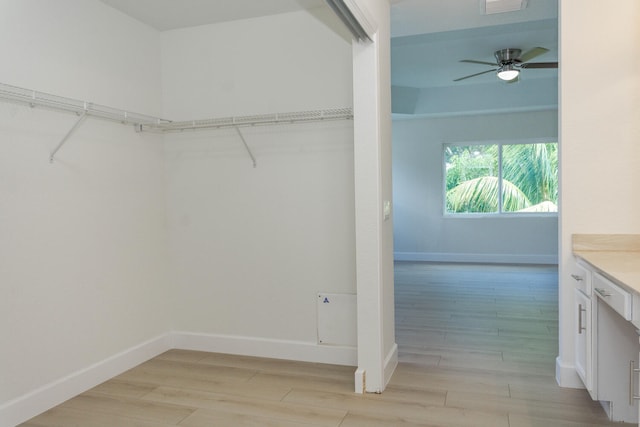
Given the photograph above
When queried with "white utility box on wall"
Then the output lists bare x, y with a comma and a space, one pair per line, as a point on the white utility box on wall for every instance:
337, 319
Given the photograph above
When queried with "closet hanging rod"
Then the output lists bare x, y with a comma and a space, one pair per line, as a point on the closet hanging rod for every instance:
34, 98
253, 120
144, 122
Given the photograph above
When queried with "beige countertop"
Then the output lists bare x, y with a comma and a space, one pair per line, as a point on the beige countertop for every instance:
615, 255
623, 267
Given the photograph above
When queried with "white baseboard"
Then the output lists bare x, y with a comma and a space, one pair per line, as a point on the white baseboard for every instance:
566, 375
390, 364
37, 401
360, 381
476, 258
261, 347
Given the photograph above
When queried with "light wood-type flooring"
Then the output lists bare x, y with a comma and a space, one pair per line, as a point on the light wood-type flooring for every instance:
477, 347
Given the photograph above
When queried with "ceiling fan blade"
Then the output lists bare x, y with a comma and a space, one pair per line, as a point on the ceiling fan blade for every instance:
539, 65
471, 61
473, 75
532, 53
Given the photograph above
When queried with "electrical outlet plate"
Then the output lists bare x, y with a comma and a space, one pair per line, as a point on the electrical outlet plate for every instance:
386, 210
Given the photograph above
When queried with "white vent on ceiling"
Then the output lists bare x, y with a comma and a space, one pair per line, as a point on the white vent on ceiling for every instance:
488, 7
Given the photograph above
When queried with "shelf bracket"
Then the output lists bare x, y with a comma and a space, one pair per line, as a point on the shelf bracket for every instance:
246, 146
81, 119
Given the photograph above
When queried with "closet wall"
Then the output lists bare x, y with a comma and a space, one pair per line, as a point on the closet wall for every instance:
131, 243
252, 247
82, 241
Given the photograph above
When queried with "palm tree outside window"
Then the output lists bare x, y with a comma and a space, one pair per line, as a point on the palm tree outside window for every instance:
499, 178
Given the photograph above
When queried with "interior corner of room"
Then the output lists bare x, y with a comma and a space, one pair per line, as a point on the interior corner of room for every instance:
212, 218
256, 200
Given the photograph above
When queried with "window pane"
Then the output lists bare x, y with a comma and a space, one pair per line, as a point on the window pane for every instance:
530, 177
471, 178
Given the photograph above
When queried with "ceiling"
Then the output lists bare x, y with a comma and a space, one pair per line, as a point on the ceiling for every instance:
429, 37
172, 14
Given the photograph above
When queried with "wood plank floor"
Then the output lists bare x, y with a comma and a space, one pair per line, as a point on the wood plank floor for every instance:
477, 348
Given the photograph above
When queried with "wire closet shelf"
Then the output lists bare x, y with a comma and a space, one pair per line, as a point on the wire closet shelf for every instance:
34, 99
254, 120
144, 122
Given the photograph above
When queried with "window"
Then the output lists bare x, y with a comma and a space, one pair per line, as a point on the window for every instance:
501, 178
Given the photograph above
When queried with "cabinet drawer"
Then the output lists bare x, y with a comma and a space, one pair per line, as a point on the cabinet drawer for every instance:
618, 298
581, 278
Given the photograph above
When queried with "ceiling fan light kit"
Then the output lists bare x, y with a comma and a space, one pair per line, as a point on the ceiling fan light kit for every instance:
507, 72
507, 58
509, 63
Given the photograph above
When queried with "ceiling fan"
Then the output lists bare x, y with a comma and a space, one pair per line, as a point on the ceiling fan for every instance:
510, 61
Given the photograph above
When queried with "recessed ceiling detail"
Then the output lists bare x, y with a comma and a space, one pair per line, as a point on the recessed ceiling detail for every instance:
489, 7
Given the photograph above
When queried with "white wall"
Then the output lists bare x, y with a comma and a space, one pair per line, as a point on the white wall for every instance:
422, 232
129, 243
251, 248
81, 49
82, 251
279, 63
377, 349
599, 138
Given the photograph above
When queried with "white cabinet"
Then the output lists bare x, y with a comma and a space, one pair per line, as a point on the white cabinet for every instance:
634, 372
618, 298
607, 352
581, 276
617, 356
584, 337
584, 348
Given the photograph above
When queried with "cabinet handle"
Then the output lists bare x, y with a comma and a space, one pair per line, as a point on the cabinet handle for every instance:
577, 278
602, 292
632, 371
580, 327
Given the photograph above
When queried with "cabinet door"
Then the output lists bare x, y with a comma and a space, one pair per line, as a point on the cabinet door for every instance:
617, 353
581, 276
584, 353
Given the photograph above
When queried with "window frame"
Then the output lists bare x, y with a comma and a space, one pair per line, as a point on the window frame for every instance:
499, 213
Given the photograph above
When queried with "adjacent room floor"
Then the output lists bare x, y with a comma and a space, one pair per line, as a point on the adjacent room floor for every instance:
477, 348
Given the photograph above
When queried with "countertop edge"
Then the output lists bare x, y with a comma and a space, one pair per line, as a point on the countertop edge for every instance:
620, 266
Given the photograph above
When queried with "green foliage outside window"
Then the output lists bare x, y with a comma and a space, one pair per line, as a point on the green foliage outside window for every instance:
528, 181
